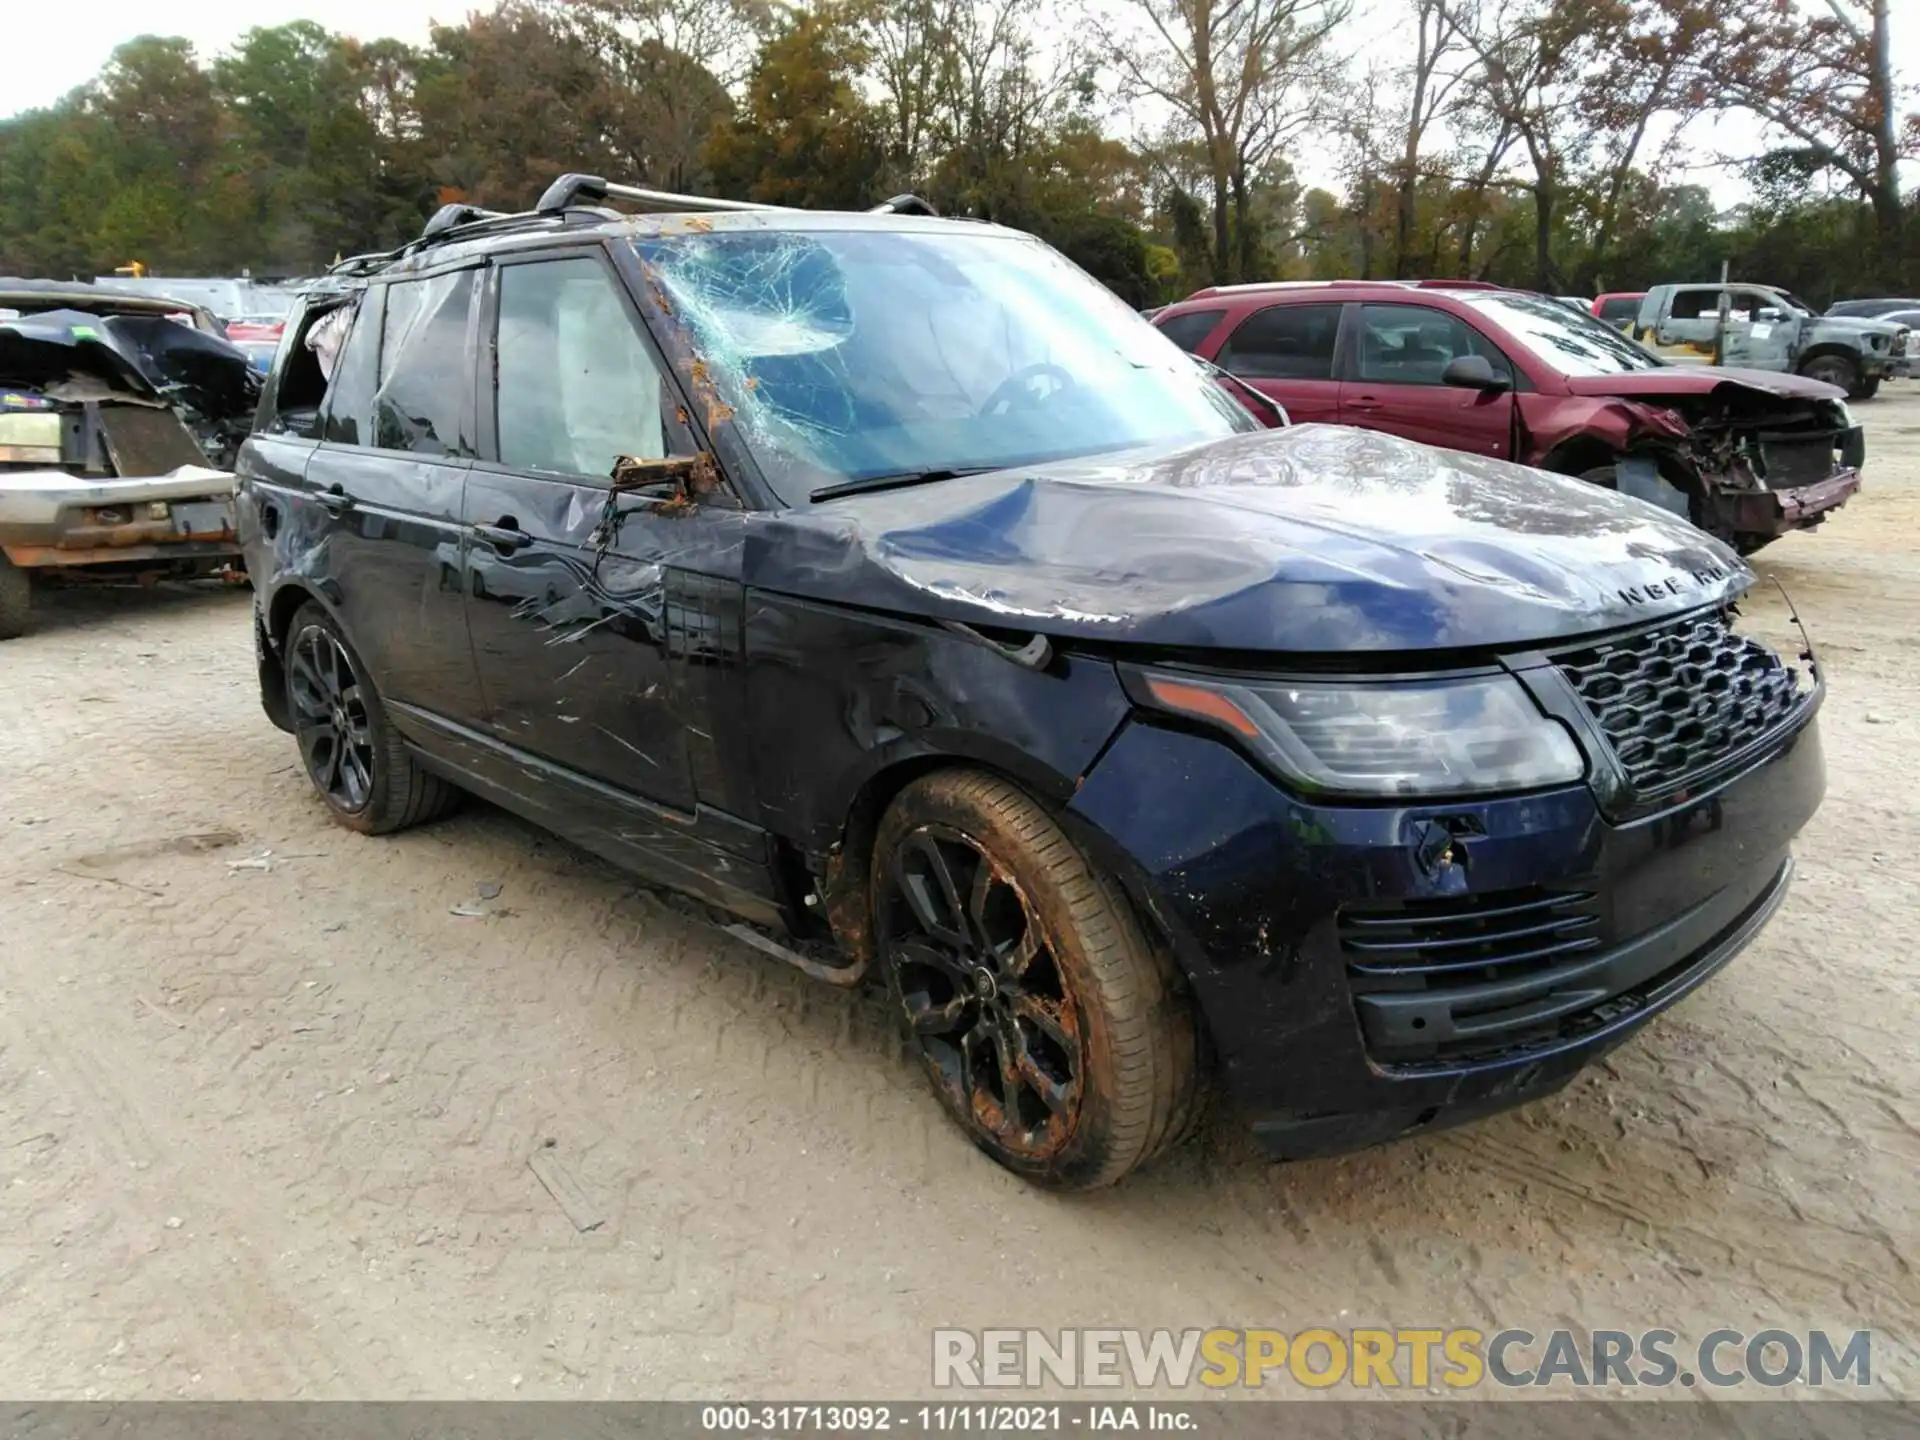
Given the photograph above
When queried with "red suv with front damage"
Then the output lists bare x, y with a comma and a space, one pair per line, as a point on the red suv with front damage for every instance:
1746, 454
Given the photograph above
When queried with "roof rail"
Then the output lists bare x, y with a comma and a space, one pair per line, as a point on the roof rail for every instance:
570, 190
574, 196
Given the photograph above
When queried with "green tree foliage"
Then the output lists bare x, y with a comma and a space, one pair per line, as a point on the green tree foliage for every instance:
804, 136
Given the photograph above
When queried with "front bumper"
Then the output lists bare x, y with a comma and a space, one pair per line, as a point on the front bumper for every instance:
1776, 512
1260, 894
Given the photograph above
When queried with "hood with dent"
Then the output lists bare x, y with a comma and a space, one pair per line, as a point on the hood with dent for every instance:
147, 356
1854, 324
1315, 540
1703, 380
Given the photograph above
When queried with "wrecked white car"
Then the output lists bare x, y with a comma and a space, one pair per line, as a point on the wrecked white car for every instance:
119, 418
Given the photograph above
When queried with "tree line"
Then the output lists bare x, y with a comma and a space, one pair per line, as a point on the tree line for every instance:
1545, 143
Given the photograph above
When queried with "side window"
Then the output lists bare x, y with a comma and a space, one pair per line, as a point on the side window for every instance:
577, 386
1694, 305
1284, 342
1618, 309
426, 373
1413, 345
1189, 329
349, 406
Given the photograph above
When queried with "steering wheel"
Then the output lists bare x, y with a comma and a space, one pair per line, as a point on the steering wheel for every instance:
1019, 392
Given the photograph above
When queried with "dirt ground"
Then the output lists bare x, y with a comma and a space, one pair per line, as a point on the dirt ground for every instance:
267, 1104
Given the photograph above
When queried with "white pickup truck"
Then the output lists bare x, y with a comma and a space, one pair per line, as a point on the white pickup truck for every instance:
119, 417
1771, 329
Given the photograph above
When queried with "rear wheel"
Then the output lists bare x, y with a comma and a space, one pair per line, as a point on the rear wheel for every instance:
16, 598
1052, 1031
354, 757
1833, 370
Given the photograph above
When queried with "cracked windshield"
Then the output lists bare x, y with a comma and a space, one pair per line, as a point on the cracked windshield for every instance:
850, 355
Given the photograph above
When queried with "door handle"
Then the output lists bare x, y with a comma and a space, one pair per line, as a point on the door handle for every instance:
504, 536
335, 501
1364, 402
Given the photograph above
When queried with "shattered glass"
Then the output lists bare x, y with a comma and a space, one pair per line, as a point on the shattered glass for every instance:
843, 355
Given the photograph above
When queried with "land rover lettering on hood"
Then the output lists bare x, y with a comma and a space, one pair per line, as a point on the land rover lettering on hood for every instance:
924, 618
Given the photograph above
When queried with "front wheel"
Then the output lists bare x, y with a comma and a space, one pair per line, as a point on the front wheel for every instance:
1054, 1034
1833, 370
354, 757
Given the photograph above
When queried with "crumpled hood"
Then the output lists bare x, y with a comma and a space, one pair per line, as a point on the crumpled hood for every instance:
147, 356
1313, 540
1703, 380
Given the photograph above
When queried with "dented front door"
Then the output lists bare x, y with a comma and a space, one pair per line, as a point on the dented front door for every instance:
584, 600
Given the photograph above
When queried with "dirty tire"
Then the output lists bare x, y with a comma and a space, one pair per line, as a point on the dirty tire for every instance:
368, 779
1867, 389
1833, 370
1052, 1031
16, 598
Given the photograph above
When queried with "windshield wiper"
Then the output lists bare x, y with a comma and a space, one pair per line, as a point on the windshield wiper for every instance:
897, 481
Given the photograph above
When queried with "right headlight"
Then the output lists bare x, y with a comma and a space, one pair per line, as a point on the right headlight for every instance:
1380, 740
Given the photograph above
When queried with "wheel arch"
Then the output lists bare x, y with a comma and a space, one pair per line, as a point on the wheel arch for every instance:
1823, 349
845, 890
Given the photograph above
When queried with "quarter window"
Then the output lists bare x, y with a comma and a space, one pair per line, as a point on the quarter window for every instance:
426, 374
1189, 329
578, 387
1284, 342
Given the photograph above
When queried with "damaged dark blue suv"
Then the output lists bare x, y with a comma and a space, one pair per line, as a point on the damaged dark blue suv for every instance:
885, 586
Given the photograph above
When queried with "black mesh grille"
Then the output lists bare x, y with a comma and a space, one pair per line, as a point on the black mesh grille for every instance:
1789, 461
1466, 939
1676, 701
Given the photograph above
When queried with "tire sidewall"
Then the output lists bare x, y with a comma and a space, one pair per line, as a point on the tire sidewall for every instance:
1846, 373
1085, 1151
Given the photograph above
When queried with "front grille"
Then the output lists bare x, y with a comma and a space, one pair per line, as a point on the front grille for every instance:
1676, 701
1466, 939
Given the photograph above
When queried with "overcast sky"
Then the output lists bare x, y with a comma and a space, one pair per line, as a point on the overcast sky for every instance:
64, 54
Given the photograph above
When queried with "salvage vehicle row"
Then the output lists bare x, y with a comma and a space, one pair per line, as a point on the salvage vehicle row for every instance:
120, 415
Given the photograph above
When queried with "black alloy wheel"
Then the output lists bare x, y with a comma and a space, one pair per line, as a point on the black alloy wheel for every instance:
357, 762
1059, 1038
330, 719
982, 992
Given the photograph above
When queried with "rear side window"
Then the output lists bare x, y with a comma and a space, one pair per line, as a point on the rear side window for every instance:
1619, 307
1284, 342
350, 390
1189, 329
578, 387
1694, 304
426, 375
